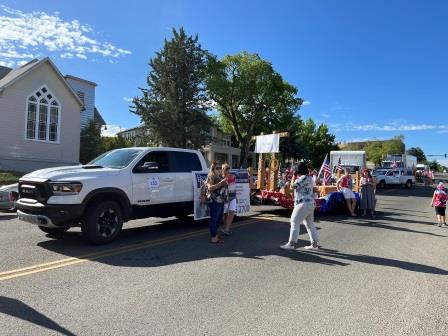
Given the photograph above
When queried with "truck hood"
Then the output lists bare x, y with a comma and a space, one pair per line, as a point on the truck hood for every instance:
70, 173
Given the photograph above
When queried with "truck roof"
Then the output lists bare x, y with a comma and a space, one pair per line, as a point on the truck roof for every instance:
347, 152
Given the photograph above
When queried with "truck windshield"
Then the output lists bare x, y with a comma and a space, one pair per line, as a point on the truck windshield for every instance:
118, 158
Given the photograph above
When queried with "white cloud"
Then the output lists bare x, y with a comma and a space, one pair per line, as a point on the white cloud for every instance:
388, 127
111, 130
325, 115
128, 99
306, 103
30, 35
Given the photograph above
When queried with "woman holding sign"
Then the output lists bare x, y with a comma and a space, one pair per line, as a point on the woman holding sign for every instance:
216, 195
230, 205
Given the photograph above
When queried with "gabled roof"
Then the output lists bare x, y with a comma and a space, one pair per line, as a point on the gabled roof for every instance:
4, 71
80, 79
98, 117
22, 71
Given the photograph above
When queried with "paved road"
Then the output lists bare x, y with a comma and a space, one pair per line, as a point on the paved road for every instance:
374, 277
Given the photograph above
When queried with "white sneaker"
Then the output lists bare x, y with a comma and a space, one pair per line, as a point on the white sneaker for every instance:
287, 246
311, 247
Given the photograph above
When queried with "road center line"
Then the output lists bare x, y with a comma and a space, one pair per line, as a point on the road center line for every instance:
123, 249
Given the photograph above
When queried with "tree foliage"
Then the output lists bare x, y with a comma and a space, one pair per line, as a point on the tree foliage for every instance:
110, 143
418, 152
173, 106
251, 97
376, 151
90, 143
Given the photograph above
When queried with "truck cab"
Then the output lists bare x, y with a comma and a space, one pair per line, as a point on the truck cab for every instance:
117, 186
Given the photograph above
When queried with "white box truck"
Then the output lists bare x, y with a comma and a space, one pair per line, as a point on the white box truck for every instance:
399, 161
355, 160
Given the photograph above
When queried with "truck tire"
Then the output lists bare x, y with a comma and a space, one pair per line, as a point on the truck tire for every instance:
102, 222
408, 184
382, 184
54, 232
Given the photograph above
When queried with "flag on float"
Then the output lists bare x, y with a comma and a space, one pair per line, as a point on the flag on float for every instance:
327, 172
339, 168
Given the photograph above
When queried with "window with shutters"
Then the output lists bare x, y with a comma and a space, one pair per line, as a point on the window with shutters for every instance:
43, 116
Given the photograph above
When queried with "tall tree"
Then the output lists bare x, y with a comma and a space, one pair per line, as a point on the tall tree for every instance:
174, 104
418, 152
250, 96
90, 143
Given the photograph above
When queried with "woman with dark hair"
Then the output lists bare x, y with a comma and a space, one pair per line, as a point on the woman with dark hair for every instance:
303, 209
217, 189
367, 184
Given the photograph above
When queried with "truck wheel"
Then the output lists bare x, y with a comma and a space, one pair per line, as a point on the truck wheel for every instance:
54, 232
102, 222
382, 184
408, 184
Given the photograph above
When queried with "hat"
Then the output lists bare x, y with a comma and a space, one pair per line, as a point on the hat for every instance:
440, 186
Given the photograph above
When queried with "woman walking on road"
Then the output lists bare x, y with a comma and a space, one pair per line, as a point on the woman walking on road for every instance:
217, 189
345, 185
230, 205
367, 193
303, 210
439, 203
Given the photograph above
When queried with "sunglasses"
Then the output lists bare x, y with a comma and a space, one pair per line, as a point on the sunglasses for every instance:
218, 168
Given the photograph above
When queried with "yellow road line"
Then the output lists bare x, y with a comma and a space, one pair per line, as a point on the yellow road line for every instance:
94, 256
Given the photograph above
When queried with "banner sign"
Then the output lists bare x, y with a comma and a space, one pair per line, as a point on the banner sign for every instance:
268, 143
240, 187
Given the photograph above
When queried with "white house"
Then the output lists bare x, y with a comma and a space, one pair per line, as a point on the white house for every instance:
41, 115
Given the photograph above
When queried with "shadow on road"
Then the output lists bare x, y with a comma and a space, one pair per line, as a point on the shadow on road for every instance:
254, 241
7, 217
405, 265
17, 308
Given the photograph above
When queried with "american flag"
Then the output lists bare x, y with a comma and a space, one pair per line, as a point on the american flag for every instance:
327, 172
339, 168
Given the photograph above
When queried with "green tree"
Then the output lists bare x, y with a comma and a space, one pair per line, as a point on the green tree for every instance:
251, 97
394, 146
418, 152
90, 143
110, 143
174, 104
374, 152
434, 165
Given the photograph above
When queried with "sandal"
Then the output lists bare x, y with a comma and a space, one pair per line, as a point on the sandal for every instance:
218, 241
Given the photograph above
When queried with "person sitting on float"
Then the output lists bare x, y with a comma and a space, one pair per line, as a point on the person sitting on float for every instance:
345, 185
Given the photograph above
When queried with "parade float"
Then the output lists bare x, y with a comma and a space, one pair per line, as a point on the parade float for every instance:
267, 190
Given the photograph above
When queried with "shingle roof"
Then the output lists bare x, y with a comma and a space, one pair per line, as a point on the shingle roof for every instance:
18, 73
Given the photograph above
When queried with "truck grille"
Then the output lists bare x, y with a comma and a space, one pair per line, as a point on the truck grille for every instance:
40, 192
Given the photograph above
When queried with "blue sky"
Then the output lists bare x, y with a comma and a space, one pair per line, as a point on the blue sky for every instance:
368, 69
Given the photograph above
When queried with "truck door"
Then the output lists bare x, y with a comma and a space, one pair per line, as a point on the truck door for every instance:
154, 186
393, 177
183, 164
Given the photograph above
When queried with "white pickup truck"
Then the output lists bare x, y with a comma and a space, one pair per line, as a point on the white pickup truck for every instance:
398, 176
118, 186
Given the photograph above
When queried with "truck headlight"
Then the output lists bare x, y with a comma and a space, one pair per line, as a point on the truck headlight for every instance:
66, 188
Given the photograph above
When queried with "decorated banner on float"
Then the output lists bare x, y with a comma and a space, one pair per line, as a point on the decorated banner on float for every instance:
268, 143
238, 183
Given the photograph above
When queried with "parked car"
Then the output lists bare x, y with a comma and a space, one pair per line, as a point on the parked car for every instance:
8, 197
118, 186
399, 176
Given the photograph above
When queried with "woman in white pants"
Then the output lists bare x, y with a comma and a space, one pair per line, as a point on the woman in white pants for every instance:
303, 210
